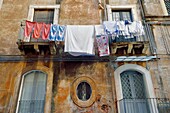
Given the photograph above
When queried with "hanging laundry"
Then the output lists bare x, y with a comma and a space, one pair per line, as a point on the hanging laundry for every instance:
99, 30
28, 29
60, 33
110, 27
103, 45
57, 33
121, 25
37, 30
79, 39
53, 32
46, 31
136, 28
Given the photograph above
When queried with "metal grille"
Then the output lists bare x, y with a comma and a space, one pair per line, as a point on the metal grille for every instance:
132, 84
167, 3
127, 93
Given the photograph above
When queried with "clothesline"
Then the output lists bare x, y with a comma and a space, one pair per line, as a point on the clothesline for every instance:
79, 39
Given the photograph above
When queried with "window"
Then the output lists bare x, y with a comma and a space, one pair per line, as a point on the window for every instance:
44, 15
44, 12
32, 93
167, 4
128, 12
118, 15
83, 91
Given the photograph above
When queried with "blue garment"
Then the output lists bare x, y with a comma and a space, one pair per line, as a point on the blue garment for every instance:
53, 32
61, 32
57, 33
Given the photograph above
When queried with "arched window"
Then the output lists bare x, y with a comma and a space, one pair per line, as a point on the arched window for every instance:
134, 93
32, 93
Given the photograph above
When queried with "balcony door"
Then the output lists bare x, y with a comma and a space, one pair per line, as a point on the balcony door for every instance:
32, 93
134, 96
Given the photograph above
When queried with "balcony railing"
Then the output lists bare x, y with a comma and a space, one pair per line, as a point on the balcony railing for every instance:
31, 106
149, 105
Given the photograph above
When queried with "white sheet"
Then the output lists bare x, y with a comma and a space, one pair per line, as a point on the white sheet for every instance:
79, 38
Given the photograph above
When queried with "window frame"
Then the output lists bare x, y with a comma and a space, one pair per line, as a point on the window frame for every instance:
126, 7
164, 8
22, 85
1, 2
33, 7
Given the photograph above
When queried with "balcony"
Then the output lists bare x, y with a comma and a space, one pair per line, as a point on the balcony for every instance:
148, 105
134, 45
34, 46
129, 46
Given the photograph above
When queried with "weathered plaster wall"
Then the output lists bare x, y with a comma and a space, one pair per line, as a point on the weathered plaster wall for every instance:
68, 71
79, 12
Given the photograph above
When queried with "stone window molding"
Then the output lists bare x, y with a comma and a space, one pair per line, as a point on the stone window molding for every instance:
131, 7
164, 9
140, 69
74, 95
33, 7
1, 2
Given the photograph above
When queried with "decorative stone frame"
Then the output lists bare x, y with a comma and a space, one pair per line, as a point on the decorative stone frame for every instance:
1, 2
131, 7
74, 96
147, 82
55, 7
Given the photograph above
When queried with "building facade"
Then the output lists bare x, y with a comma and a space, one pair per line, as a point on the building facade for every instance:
38, 75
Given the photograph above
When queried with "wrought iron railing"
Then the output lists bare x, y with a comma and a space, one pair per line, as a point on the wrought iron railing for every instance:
148, 105
31, 106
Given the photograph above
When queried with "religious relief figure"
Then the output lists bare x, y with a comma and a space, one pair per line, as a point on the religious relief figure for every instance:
84, 91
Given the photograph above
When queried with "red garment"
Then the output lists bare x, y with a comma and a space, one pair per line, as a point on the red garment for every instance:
37, 30
46, 31
28, 28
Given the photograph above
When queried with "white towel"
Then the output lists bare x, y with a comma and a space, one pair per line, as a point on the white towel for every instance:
99, 30
79, 38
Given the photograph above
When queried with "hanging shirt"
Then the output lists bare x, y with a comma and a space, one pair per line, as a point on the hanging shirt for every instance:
103, 45
136, 28
37, 30
110, 27
79, 38
28, 29
46, 31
